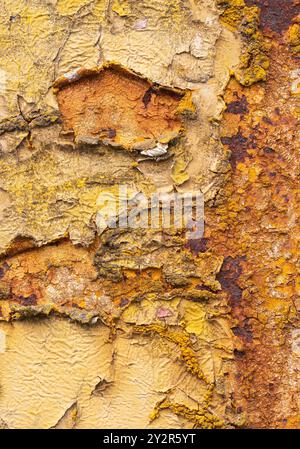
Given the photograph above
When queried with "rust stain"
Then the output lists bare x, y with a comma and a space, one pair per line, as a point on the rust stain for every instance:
197, 246
276, 15
228, 278
238, 106
239, 145
256, 228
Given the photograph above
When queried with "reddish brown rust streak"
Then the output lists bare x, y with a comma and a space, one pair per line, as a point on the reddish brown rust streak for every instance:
228, 277
276, 15
260, 135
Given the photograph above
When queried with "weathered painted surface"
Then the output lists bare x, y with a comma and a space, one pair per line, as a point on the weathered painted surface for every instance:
140, 327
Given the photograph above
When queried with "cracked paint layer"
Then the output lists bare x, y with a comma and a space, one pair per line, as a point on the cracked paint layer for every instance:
136, 299
142, 328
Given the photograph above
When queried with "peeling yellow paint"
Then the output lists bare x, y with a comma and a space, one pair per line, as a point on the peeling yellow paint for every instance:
97, 321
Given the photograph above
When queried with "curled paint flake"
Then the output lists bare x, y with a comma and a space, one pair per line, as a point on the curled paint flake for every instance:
2, 341
2, 81
295, 76
296, 342
141, 24
159, 150
72, 76
162, 312
196, 46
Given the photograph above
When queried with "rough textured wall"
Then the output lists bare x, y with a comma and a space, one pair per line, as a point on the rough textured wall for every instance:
141, 327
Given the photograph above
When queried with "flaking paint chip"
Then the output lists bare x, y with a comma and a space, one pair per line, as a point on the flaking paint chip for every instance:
2, 342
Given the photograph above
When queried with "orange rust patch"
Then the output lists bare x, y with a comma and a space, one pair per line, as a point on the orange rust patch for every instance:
119, 108
62, 277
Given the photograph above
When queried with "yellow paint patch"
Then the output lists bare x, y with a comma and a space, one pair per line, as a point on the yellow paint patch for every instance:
69, 7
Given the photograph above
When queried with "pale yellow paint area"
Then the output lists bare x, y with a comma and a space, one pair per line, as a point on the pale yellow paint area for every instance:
68, 7
55, 372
